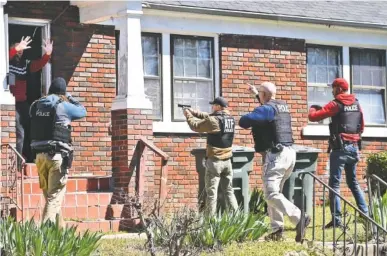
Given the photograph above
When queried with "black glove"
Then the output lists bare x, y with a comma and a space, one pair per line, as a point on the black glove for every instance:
317, 107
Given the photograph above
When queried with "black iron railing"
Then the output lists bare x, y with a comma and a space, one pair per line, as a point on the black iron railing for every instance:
11, 182
347, 242
375, 194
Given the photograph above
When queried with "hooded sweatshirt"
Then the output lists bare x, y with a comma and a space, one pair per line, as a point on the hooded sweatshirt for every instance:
331, 109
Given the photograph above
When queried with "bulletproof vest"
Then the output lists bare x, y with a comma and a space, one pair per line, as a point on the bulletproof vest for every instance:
276, 132
19, 68
225, 137
347, 120
44, 126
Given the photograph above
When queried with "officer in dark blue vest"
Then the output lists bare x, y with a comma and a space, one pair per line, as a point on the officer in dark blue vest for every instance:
273, 138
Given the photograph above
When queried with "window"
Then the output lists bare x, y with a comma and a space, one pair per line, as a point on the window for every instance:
192, 73
368, 69
324, 65
151, 52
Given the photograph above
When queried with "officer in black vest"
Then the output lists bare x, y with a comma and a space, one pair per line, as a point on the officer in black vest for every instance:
51, 118
272, 132
220, 127
346, 127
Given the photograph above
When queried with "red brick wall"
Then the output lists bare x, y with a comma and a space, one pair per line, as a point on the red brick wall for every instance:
85, 56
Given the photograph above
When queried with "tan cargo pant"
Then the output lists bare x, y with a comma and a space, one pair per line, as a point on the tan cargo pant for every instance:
277, 169
219, 171
52, 179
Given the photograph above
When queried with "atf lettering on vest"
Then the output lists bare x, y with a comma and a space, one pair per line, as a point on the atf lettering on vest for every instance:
279, 131
225, 137
44, 126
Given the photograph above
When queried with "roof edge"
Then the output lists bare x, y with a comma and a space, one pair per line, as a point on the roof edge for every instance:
246, 14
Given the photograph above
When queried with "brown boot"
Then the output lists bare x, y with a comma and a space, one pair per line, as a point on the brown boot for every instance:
275, 236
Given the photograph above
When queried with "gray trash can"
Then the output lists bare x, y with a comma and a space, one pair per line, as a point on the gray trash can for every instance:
306, 161
242, 165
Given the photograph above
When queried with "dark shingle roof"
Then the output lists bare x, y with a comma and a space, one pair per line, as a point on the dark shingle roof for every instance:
361, 12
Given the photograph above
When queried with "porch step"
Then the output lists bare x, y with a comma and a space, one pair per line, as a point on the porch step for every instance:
74, 184
105, 225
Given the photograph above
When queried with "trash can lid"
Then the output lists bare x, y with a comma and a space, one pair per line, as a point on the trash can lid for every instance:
303, 149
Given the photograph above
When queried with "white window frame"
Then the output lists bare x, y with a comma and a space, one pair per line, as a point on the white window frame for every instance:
45, 25
167, 125
321, 85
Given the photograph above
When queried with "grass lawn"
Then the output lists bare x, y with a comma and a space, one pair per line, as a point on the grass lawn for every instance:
132, 247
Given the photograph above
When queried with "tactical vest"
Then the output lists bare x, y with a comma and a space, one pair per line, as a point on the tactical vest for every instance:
278, 132
225, 137
347, 120
44, 126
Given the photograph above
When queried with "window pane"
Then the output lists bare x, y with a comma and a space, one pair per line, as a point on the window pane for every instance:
323, 66
153, 92
372, 103
368, 67
152, 79
192, 61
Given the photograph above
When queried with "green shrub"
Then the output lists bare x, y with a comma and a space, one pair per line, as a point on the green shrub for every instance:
379, 210
29, 239
377, 164
230, 226
257, 202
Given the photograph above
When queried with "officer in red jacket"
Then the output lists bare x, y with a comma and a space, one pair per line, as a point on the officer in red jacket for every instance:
346, 127
20, 68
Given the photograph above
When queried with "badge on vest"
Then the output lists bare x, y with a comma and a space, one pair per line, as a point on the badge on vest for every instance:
283, 108
229, 125
352, 108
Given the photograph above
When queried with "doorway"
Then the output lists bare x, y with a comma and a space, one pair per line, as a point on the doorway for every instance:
37, 82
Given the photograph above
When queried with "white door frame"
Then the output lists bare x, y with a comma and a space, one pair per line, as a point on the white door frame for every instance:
45, 25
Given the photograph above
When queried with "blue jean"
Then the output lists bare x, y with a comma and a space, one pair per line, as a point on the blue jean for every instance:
346, 158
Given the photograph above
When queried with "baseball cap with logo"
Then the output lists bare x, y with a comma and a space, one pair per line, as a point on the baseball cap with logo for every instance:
340, 82
220, 101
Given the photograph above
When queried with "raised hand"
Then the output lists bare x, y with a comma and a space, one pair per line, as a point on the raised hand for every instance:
252, 89
23, 44
48, 46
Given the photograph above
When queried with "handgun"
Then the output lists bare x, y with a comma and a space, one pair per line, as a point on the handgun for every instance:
183, 106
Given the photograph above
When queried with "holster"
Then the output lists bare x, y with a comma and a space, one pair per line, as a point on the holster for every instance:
67, 159
335, 143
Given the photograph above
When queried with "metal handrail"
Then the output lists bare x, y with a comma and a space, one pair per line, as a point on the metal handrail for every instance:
378, 194
369, 220
20, 158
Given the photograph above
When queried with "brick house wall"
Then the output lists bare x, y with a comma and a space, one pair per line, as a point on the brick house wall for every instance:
253, 59
85, 56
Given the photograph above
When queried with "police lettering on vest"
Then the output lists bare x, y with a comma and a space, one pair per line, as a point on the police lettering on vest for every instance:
347, 120
225, 137
278, 132
44, 126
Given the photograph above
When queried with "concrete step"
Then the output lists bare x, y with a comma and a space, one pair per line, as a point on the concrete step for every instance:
105, 225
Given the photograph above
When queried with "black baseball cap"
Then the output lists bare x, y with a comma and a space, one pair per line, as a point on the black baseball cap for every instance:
220, 101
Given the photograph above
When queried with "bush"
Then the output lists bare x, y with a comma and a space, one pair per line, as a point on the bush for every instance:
377, 164
379, 210
229, 227
29, 239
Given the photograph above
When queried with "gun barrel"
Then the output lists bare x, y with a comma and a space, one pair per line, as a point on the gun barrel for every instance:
183, 106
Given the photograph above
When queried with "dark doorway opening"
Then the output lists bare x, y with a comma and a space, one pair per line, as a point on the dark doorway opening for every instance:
34, 80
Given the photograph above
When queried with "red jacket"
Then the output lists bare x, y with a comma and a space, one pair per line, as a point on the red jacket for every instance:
20, 88
331, 109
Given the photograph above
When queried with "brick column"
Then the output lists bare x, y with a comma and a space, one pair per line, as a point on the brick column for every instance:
131, 110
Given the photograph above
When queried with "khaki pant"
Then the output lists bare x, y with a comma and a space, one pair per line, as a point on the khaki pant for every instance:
277, 169
219, 171
52, 179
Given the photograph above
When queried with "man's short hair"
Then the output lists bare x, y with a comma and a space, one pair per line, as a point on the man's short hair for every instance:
268, 87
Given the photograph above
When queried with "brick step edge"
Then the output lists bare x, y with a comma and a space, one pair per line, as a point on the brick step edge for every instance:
105, 225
